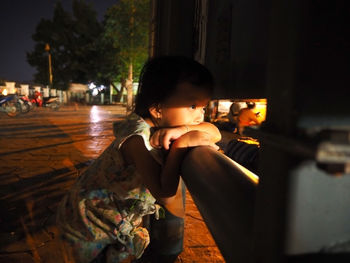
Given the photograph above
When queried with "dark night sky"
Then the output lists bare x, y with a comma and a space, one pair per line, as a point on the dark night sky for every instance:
18, 20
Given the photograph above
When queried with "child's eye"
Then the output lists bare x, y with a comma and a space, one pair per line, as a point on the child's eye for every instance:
193, 107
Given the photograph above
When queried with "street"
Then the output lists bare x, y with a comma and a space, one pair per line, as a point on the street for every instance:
41, 155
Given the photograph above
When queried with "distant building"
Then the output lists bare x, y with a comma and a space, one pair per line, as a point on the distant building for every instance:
78, 93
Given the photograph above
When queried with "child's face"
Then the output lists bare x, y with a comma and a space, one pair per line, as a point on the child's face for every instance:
184, 107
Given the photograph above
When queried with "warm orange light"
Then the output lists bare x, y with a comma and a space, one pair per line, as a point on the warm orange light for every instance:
249, 141
222, 107
260, 107
249, 174
252, 176
47, 47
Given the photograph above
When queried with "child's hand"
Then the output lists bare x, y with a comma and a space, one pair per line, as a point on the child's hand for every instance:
164, 137
195, 138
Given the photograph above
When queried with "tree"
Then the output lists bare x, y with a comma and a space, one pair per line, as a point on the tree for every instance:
72, 40
108, 65
55, 33
127, 29
86, 34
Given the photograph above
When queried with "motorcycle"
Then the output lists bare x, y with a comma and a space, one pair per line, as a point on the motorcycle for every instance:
52, 102
25, 104
37, 100
10, 105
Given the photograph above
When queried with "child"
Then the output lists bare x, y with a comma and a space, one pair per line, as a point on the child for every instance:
102, 214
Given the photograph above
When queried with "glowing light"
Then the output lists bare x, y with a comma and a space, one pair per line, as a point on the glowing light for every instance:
252, 176
95, 89
100, 88
94, 92
92, 86
224, 106
249, 140
4, 92
94, 114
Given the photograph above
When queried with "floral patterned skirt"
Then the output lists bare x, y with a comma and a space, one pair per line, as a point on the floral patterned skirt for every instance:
104, 223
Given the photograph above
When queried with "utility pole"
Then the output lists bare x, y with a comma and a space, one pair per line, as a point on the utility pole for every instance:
47, 49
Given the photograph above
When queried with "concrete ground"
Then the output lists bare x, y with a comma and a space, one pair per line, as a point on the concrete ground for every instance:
41, 154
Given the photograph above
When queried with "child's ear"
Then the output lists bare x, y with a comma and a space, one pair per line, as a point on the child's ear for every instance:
155, 112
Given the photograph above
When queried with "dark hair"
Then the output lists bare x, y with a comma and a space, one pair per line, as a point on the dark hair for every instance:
250, 105
161, 75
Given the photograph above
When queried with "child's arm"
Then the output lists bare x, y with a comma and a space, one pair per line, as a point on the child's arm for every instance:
164, 137
162, 181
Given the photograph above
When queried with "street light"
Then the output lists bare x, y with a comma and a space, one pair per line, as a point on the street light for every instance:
47, 49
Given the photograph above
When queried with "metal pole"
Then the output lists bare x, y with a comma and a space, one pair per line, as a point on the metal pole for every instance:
50, 70
224, 193
47, 49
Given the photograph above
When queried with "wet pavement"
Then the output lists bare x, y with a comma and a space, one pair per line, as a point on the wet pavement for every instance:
41, 155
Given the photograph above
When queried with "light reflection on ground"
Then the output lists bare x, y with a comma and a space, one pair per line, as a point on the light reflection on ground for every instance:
95, 114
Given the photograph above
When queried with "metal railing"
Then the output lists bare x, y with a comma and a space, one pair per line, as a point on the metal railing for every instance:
224, 193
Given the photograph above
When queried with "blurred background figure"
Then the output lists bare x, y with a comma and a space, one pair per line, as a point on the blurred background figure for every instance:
233, 113
247, 117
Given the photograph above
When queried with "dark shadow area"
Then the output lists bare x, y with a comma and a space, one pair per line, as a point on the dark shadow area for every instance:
41, 147
31, 201
31, 186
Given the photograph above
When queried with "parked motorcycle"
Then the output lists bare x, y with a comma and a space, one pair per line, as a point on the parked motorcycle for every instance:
52, 102
37, 99
10, 105
25, 104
